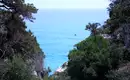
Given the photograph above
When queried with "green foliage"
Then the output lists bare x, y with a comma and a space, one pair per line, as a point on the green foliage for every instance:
89, 45
92, 27
17, 70
46, 77
61, 76
119, 14
14, 39
90, 60
18, 7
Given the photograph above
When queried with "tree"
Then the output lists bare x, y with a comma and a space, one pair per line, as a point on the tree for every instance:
92, 27
14, 38
118, 13
18, 7
90, 60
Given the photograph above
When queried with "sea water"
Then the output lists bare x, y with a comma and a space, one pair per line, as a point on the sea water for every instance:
58, 30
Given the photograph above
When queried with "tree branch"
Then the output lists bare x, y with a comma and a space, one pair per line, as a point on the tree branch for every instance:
5, 7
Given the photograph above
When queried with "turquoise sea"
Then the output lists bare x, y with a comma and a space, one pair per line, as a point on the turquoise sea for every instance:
55, 30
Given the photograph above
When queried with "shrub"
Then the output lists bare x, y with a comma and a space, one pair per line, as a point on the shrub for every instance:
18, 70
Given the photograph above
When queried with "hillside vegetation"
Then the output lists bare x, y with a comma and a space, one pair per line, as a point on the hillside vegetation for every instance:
18, 47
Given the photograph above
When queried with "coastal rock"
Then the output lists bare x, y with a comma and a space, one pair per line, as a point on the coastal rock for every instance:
62, 68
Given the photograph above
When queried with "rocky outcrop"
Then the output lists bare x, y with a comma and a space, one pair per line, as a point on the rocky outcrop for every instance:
106, 36
38, 62
123, 34
62, 68
126, 34
122, 73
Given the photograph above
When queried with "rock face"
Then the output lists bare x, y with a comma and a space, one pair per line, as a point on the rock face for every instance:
2, 64
106, 36
123, 34
123, 73
126, 33
38, 64
62, 68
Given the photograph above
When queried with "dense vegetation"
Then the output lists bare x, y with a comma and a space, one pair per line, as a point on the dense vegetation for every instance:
18, 47
105, 54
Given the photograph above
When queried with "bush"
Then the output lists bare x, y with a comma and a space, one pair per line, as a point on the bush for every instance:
18, 70
93, 58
